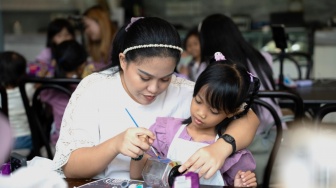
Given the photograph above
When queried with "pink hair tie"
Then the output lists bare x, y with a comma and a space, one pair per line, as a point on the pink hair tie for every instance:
133, 19
219, 56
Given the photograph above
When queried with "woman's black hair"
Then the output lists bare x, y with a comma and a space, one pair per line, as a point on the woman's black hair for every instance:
69, 55
228, 86
55, 27
219, 33
148, 30
12, 68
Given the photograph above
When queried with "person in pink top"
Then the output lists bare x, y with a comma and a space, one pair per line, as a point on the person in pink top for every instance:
59, 30
70, 61
219, 97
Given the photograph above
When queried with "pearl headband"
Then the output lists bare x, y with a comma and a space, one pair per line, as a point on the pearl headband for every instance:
153, 46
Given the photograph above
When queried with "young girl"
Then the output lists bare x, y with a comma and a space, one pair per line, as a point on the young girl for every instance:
70, 59
193, 46
219, 97
59, 30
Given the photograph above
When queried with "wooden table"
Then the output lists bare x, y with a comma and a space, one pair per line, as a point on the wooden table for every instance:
75, 182
322, 91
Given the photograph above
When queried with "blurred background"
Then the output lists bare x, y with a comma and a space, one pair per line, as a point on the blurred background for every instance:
310, 24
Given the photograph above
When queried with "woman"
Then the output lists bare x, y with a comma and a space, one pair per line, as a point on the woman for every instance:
97, 130
99, 32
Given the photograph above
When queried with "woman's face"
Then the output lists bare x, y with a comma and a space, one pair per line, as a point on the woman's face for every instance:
203, 116
62, 36
147, 77
92, 29
193, 46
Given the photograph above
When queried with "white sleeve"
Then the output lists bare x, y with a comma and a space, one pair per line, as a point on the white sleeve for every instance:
80, 123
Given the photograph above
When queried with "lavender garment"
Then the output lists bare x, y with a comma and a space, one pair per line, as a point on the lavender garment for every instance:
58, 101
165, 129
44, 56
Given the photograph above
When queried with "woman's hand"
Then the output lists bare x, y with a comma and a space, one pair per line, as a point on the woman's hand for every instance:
207, 160
245, 179
134, 141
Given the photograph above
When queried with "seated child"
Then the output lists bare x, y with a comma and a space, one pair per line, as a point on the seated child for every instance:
219, 97
70, 59
12, 70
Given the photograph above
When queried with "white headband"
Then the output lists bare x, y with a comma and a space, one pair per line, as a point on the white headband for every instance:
153, 46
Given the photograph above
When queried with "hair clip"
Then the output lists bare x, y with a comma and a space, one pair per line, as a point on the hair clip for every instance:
251, 75
219, 56
133, 19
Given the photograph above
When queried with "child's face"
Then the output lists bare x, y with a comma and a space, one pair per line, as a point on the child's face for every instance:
193, 46
203, 116
62, 36
146, 78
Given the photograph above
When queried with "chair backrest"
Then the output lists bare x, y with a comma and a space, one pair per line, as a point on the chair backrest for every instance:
40, 124
304, 60
4, 100
296, 104
323, 111
6, 139
277, 142
300, 60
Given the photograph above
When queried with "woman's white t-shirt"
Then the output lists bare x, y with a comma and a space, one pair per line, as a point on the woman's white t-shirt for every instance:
96, 113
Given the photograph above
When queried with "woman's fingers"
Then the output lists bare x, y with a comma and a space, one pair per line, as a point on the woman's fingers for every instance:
134, 141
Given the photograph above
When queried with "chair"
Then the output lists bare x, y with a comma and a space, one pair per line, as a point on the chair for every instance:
323, 111
4, 100
296, 104
277, 142
297, 107
300, 60
39, 114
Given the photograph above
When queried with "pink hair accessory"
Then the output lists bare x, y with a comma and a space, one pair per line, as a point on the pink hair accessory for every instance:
251, 76
219, 56
133, 19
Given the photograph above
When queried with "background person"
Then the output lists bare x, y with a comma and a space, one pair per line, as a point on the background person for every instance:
99, 32
59, 30
12, 69
70, 59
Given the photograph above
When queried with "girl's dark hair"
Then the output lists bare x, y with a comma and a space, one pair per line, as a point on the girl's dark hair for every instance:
149, 30
219, 33
55, 27
12, 68
227, 86
69, 55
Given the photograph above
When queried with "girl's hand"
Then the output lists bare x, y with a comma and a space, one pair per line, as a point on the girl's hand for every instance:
245, 179
208, 160
134, 141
